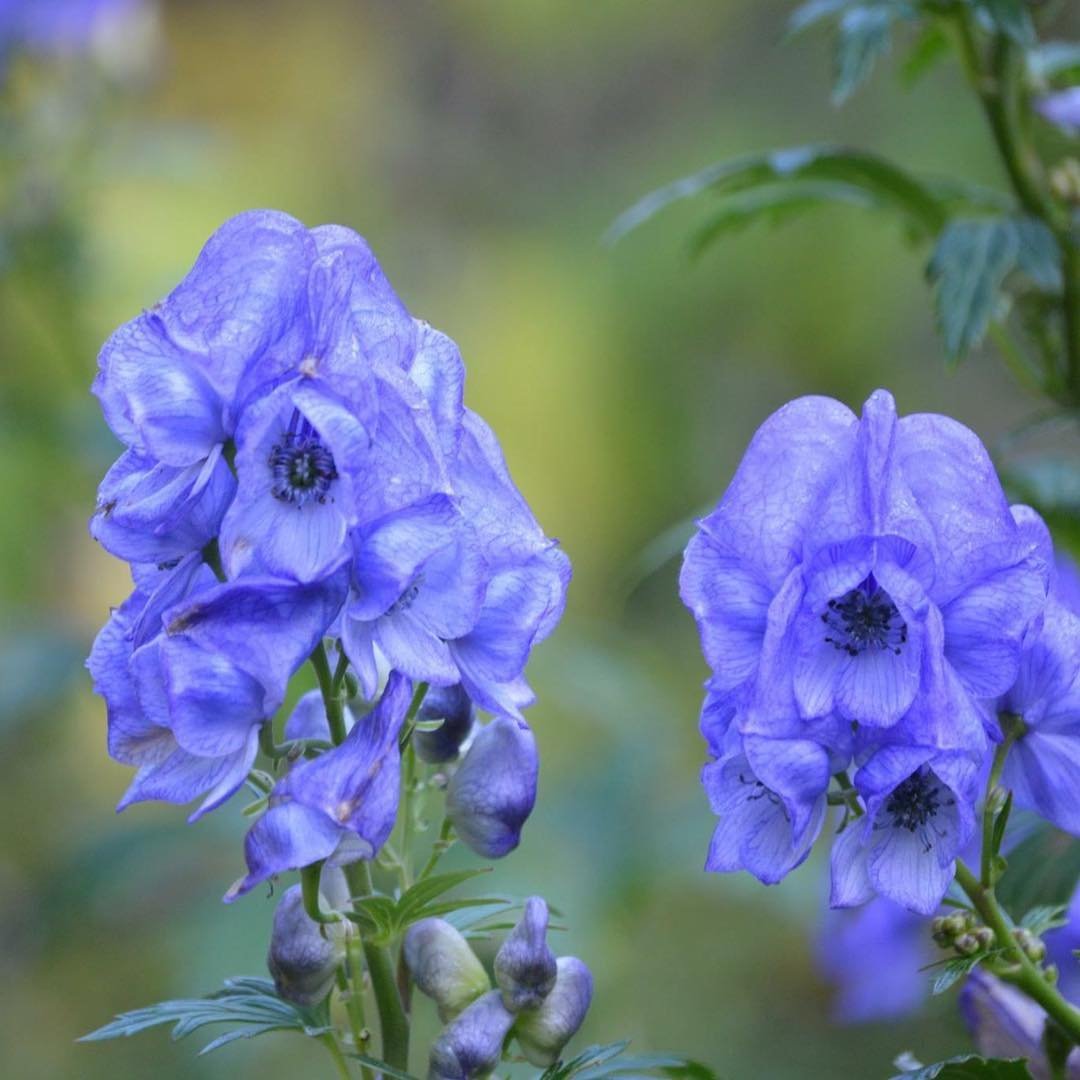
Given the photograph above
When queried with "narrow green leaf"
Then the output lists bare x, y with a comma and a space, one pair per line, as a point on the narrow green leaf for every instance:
814, 12
889, 184
1045, 917
971, 1067
930, 46
423, 892
864, 37
1010, 17
954, 970
967, 269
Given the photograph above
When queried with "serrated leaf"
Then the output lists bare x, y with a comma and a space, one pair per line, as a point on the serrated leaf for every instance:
885, 182
968, 268
954, 970
1039, 255
775, 204
863, 38
597, 1062
1055, 60
971, 1067
1045, 917
247, 1001
1011, 17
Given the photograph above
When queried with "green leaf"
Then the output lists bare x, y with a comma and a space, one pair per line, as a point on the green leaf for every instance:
814, 12
952, 971
968, 268
1045, 917
1043, 869
1039, 255
775, 204
1055, 60
596, 1062
879, 178
971, 1067
930, 46
863, 38
246, 1001
379, 1066
1010, 17
414, 900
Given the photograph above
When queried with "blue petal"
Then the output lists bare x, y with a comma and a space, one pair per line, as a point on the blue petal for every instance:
439, 372
900, 868
493, 791
850, 878
524, 965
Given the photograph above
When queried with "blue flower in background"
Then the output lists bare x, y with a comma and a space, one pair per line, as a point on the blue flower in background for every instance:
861, 589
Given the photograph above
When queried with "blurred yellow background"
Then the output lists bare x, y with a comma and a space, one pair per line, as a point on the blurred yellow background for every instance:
482, 147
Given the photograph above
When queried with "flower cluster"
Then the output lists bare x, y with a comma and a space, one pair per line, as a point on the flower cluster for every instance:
539, 999
868, 600
299, 465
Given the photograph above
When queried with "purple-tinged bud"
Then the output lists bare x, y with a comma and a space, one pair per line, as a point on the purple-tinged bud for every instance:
471, 1046
454, 708
494, 789
1062, 109
1004, 1023
542, 1033
443, 966
524, 966
302, 959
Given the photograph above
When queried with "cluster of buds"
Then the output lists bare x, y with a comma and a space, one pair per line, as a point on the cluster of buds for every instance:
962, 932
539, 1000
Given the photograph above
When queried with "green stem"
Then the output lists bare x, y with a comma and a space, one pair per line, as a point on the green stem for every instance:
1071, 300
393, 1022
408, 784
445, 840
309, 887
1026, 975
351, 982
330, 687
329, 1040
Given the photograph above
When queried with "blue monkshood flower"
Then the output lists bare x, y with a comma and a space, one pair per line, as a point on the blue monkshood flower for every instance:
859, 572
919, 816
443, 966
65, 27
191, 670
760, 830
471, 1045
1043, 765
418, 583
453, 707
1062, 109
543, 1032
1004, 1023
148, 512
493, 791
524, 965
304, 956
875, 957
339, 806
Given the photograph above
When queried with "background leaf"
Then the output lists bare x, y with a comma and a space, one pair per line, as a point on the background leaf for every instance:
971, 1067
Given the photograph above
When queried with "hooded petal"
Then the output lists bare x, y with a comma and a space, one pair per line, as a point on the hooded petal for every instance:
524, 965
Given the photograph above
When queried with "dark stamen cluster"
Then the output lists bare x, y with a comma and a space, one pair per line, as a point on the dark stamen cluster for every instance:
865, 618
303, 469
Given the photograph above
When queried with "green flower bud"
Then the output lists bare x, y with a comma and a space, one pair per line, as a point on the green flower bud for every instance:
443, 966
543, 1032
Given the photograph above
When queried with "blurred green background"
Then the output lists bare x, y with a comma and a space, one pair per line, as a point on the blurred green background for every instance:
482, 147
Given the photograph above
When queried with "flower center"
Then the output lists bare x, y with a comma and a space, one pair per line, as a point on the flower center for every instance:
303, 469
759, 791
914, 806
865, 618
405, 600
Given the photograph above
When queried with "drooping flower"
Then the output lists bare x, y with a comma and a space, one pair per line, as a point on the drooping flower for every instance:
303, 959
524, 965
544, 1031
452, 706
471, 1045
861, 576
339, 806
1042, 768
493, 791
443, 966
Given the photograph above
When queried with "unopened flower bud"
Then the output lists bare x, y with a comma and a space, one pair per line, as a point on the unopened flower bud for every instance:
443, 966
454, 708
967, 945
542, 1033
525, 967
471, 1045
984, 936
1051, 973
494, 789
956, 923
302, 958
